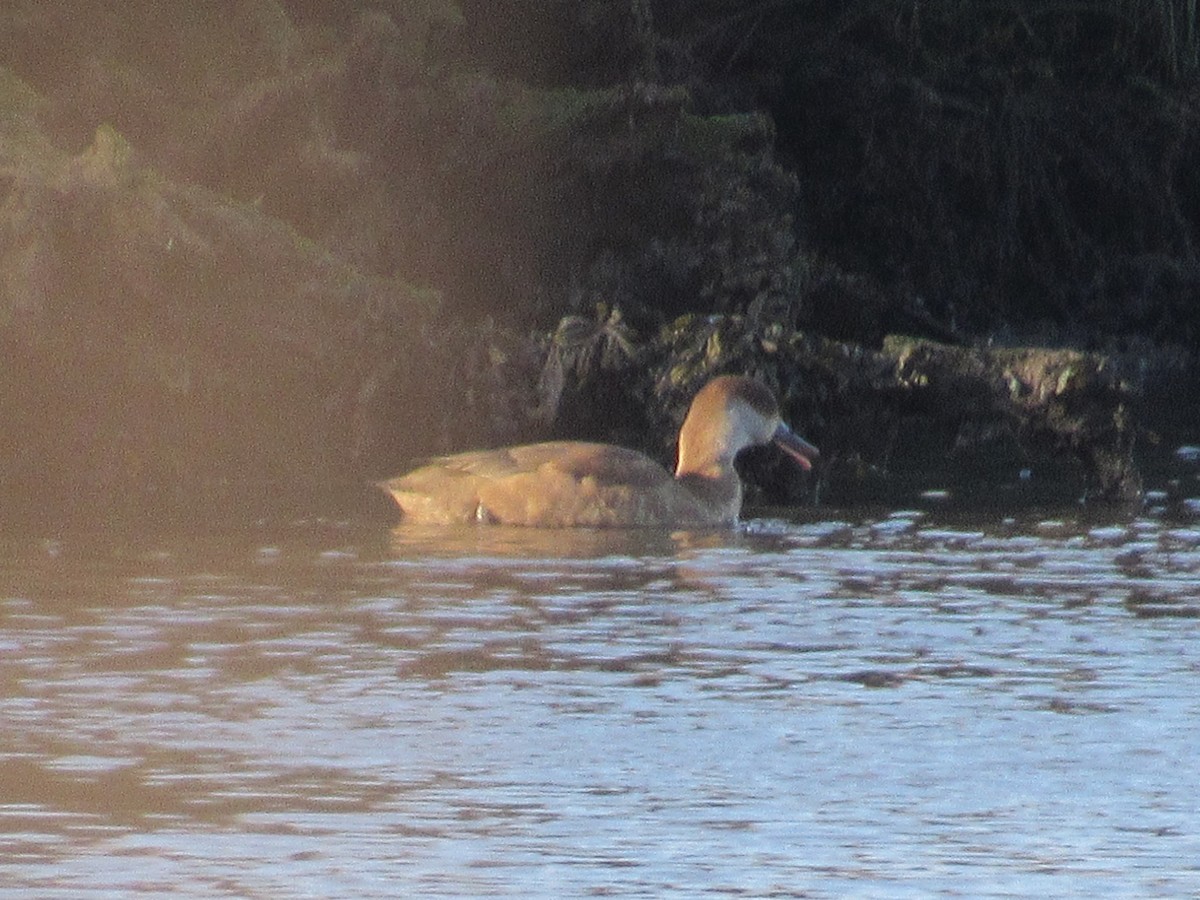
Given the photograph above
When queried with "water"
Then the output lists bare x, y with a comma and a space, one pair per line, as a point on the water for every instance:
883, 704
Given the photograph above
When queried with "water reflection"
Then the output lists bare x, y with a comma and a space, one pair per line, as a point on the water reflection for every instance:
913, 702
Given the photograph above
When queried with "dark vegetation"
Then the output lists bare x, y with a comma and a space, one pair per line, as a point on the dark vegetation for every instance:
255, 252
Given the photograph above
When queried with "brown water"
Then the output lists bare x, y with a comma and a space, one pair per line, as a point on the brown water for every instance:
881, 705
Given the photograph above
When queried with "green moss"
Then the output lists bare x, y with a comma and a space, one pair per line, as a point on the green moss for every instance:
677, 329
20, 136
549, 110
18, 101
658, 114
112, 149
707, 135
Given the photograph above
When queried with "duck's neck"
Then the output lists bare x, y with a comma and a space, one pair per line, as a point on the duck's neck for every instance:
705, 464
718, 489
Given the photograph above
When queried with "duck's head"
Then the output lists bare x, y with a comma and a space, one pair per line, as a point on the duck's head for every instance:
731, 413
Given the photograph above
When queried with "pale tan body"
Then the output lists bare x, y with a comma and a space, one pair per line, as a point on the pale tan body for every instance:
573, 483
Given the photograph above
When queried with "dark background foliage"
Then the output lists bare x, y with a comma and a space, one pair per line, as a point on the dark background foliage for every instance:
1014, 168
246, 239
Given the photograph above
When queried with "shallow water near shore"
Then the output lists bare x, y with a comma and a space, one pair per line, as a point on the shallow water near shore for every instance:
884, 704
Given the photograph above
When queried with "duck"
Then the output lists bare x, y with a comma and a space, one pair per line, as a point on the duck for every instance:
564, 484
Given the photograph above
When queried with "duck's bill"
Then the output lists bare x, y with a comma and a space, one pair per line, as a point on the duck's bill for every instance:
795, 446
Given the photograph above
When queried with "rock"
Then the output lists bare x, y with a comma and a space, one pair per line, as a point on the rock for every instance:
1045, 409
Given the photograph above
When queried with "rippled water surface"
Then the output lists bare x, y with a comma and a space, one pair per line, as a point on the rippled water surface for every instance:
888, 705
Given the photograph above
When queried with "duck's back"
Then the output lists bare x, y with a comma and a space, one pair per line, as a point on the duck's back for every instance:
553, 484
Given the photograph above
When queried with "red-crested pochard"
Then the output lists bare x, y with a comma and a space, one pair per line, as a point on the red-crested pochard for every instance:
573, 483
